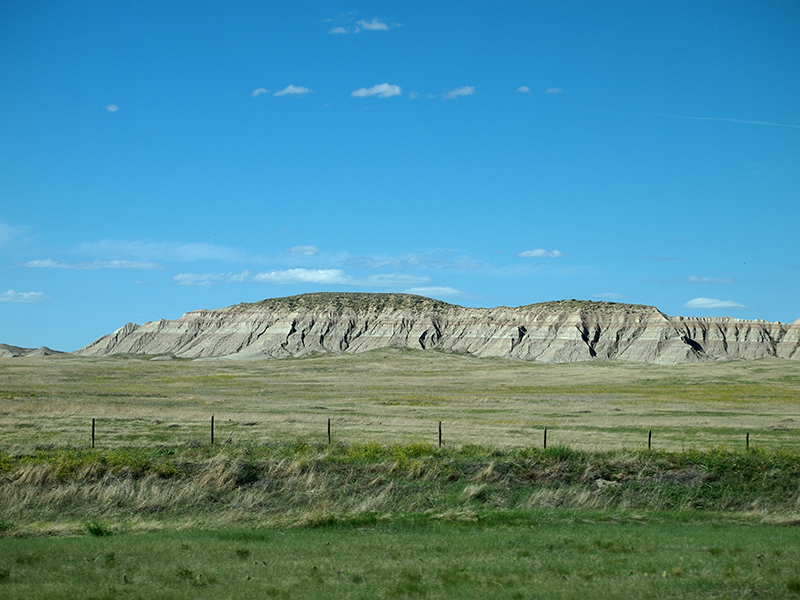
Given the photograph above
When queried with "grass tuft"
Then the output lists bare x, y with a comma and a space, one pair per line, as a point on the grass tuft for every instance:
97, 529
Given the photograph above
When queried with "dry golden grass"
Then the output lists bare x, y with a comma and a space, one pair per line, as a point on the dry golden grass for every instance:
399, 396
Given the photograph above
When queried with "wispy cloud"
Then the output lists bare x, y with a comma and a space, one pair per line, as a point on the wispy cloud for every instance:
258, 92
94, 265
147, 250
207, 279
714, 280
692, 118
297, 276
319, 276
710, 303
693, 279
555, 90
309, 250
524, 89
436, 292
432, 259
26, 297
743, 121
382, 90
293, 90
661, 258
464, 90
540, 253
10, 233
390, 280
340, 30
112, 108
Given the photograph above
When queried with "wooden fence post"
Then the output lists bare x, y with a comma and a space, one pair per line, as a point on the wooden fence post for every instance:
212, 430
92, 432
747, 441
440, 434
545, 439
329, 431
649, 438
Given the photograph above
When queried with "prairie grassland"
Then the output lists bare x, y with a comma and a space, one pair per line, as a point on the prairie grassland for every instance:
65, 491
383, 512
399, 396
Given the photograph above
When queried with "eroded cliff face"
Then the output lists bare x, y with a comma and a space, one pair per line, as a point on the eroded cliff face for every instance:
564, 331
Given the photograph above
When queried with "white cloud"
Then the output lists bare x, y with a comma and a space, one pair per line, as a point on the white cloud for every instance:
309, 250
258, 92
609, 296
556, 90
708, 303
436, 292
112, 108
382, 90
293, 90
540, 253
374, 25
27, 297
524, 89
464, 90
94, 265
694, 279
338, 30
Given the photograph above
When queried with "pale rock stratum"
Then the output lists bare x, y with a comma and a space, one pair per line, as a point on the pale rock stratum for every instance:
561, 331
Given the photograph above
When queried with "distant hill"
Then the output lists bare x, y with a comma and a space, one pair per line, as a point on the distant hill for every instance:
7, 351
560, 331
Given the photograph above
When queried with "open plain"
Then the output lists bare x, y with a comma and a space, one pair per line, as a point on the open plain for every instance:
399, 396
272, 510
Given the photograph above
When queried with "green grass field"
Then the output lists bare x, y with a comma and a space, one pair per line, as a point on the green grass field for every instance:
272, 510
579, 558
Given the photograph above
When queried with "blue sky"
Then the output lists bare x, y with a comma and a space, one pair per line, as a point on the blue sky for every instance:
162, 157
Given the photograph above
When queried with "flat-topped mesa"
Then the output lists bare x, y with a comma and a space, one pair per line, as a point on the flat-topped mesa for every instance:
352, 301
559, 331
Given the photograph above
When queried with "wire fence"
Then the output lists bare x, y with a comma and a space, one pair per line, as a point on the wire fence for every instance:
110, 432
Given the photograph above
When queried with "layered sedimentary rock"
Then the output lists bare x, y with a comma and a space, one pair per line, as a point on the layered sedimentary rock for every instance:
562, 331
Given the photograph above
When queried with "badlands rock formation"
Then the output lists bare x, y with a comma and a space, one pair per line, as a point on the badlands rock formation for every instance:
562, 331
7, 351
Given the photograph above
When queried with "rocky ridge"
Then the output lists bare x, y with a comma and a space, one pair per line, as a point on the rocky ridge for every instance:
561, 331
